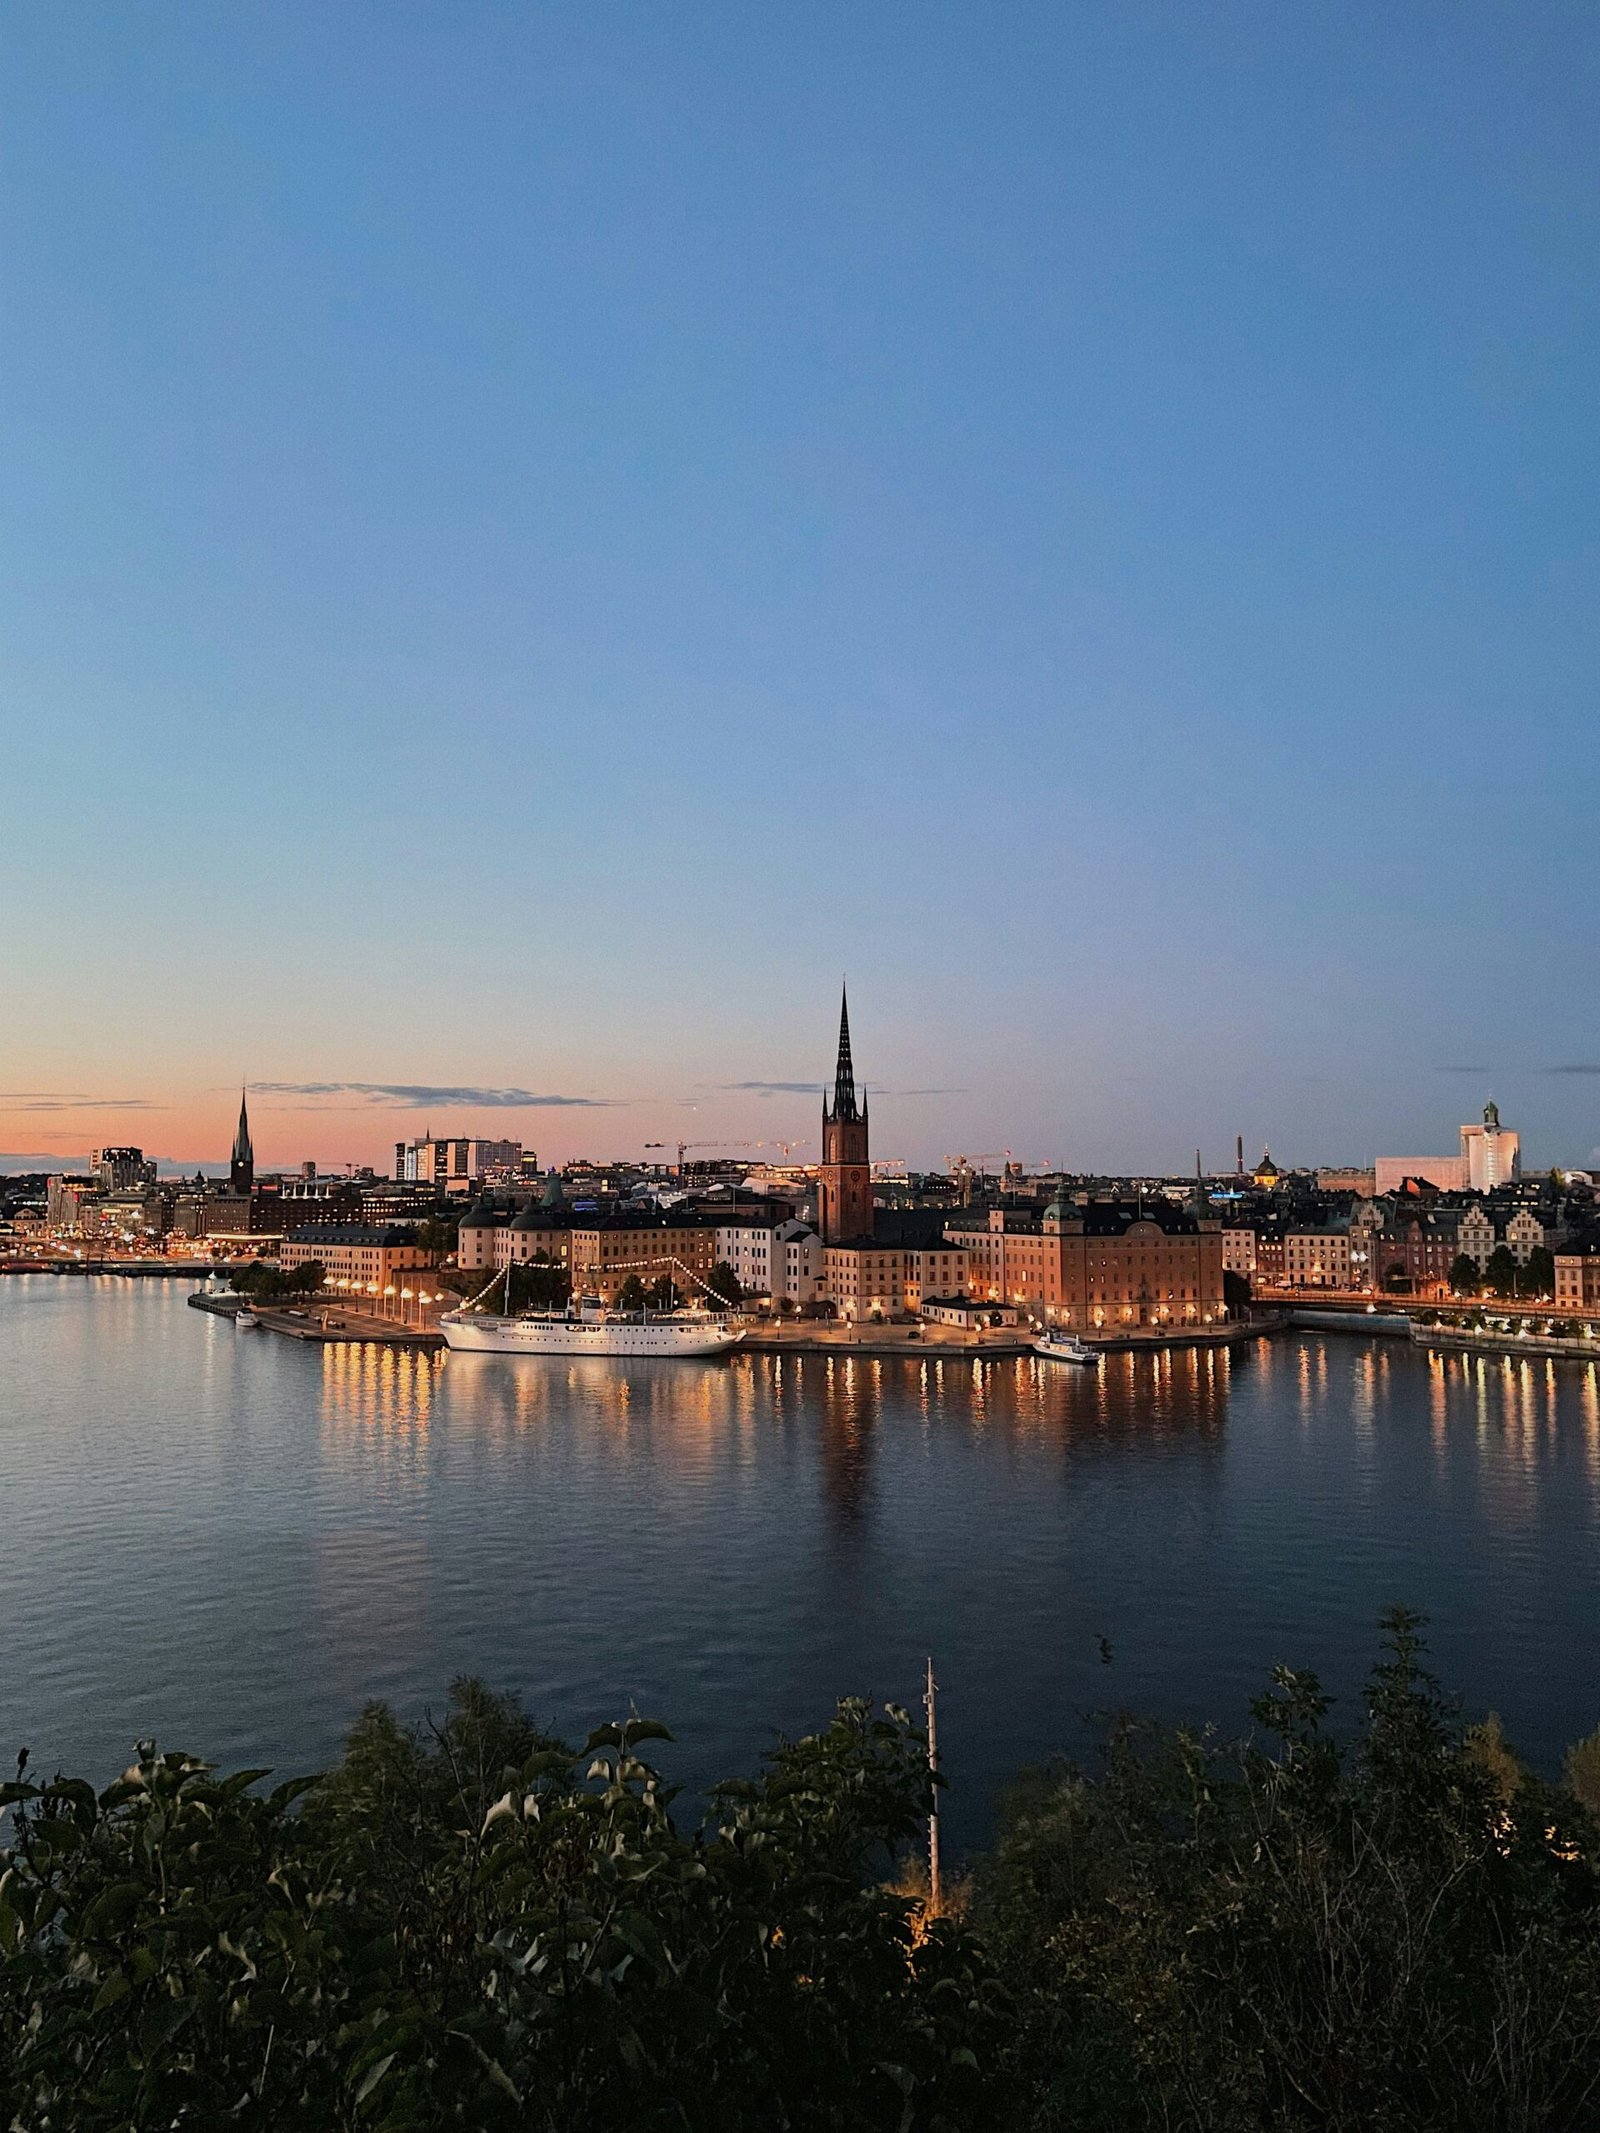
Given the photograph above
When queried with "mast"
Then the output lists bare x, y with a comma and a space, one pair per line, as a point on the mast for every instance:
931, 1706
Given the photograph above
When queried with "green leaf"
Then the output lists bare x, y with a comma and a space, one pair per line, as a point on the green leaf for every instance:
111, 1907
638, 1729
160, 2023
374, 2075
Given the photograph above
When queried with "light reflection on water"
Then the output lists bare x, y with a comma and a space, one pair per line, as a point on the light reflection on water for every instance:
232, 1541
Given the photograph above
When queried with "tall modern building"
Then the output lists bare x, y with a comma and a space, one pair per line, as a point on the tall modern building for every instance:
457, 1164
844, 1199
116, 1169
242, 1163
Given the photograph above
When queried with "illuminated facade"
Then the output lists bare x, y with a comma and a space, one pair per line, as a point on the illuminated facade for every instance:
1098, 1266
362, 1253
1578, 1281
599, 1254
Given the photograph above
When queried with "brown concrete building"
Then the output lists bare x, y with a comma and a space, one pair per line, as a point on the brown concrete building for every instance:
1317, 1259
1097, 1266
1578, 1280
598, 1252
885, 1280
358, 1252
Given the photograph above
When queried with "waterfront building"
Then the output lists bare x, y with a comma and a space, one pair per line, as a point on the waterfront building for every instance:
1317, 1258
202, 1212
1096, 1264
886, 1280
1578, 1278
66, 1198
1415, 1248
598, 1251
1476, 1236
370, 1255
136, 1211
242, 1162
774, 1259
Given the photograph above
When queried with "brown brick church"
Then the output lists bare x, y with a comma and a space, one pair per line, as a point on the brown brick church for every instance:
873, 1267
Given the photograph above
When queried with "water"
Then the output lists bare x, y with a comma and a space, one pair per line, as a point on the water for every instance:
232, 1541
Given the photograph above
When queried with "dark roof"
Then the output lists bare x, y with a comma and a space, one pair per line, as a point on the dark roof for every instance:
912, 1228
368, 1233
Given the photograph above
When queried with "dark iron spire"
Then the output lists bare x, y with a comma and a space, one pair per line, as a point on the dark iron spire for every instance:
844, 1078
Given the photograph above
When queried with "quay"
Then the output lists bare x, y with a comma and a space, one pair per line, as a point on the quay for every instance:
329, 1325
1518, 1340
128, 1269
923, 1339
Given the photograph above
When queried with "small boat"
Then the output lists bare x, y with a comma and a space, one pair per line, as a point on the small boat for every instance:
1063, 1347
245, 1321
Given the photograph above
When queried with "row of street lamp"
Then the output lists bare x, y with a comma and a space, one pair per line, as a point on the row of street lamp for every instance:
393, 1301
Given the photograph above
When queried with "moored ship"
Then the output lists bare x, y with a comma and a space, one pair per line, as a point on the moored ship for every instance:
589, 1327
1064, 1347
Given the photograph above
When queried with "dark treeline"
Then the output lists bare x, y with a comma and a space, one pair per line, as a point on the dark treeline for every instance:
467, 1924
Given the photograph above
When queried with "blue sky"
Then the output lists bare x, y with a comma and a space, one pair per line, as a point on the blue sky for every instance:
534, 537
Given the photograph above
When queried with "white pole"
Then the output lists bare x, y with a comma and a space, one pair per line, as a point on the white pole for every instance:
930, 1705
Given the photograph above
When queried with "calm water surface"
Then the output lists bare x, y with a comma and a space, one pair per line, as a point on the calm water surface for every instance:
231, 1541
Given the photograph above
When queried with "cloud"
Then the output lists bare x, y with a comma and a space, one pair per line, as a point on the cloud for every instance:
772, 1088
1464, 1070
1573, 1070
37, 1100
817, 1088
418, 1096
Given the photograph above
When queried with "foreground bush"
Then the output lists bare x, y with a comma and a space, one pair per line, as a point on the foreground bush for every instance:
1399, 1932
471, 1927
464, 1929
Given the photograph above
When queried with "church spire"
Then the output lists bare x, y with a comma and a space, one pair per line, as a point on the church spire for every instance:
242, 1163
844, 1077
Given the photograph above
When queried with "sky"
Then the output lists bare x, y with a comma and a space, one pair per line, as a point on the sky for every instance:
535, 538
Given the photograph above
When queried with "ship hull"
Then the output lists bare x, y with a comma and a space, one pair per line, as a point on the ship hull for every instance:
482, 1333
1060, 1352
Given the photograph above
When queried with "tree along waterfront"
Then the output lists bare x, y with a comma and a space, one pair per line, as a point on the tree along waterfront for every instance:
470, 1924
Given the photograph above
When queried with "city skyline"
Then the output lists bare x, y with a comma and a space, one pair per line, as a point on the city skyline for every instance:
532, 541
772, 1147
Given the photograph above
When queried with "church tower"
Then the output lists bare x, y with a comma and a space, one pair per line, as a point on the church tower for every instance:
844, 1199
242, 1163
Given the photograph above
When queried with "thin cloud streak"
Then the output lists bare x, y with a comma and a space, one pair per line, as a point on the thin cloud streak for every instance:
818, 1088
417, 1096
38, 1100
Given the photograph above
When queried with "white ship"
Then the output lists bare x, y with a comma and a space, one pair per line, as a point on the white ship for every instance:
589, 1328
1064, 1347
